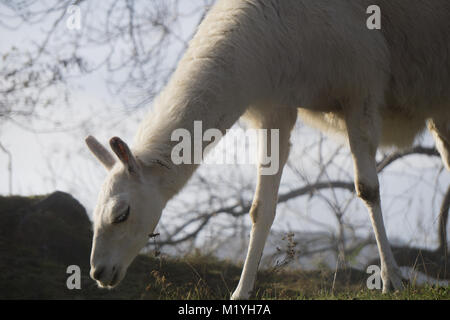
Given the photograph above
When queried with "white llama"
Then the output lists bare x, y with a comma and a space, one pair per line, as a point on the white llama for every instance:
268, 61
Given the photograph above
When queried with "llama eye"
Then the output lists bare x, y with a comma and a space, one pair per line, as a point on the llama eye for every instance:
123, 217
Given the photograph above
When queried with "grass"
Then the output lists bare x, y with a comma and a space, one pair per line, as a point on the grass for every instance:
194, 277
37, 244
200, 277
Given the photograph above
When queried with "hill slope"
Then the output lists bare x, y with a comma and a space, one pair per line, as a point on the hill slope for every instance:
41, 236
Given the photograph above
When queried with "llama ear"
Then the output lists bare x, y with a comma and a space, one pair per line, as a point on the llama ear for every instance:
125, 156
100, 152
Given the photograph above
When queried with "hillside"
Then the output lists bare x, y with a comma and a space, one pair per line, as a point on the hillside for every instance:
41, 236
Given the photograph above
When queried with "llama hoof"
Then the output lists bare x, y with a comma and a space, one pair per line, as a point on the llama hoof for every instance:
392, 280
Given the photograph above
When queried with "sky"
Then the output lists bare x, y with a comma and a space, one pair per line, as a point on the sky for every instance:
412, 190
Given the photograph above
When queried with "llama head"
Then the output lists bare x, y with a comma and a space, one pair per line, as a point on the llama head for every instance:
128, 209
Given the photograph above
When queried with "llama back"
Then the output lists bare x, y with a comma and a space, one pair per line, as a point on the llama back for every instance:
417, 35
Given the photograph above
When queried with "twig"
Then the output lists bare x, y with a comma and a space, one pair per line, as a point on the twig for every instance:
10, 170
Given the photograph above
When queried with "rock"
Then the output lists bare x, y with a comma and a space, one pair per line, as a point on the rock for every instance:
56, 225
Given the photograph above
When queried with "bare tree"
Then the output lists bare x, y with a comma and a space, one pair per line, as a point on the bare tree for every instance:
135, 45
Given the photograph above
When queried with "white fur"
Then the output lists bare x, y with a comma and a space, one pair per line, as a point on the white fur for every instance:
268, 60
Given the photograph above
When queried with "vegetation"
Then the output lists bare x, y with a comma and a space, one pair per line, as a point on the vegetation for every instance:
41, 236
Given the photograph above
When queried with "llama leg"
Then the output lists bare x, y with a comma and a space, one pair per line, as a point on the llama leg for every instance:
363, 127
265, 200
441, 134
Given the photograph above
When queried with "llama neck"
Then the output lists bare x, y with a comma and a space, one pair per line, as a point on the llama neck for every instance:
215, 81
195, 93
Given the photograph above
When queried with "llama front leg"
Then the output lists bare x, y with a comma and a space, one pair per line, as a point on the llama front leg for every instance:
363, 127
265, 200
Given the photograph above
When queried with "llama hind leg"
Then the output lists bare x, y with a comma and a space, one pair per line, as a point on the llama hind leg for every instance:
441, 134
265, 200
364, 130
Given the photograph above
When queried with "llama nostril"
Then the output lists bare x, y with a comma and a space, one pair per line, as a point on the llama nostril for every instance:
98, 273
